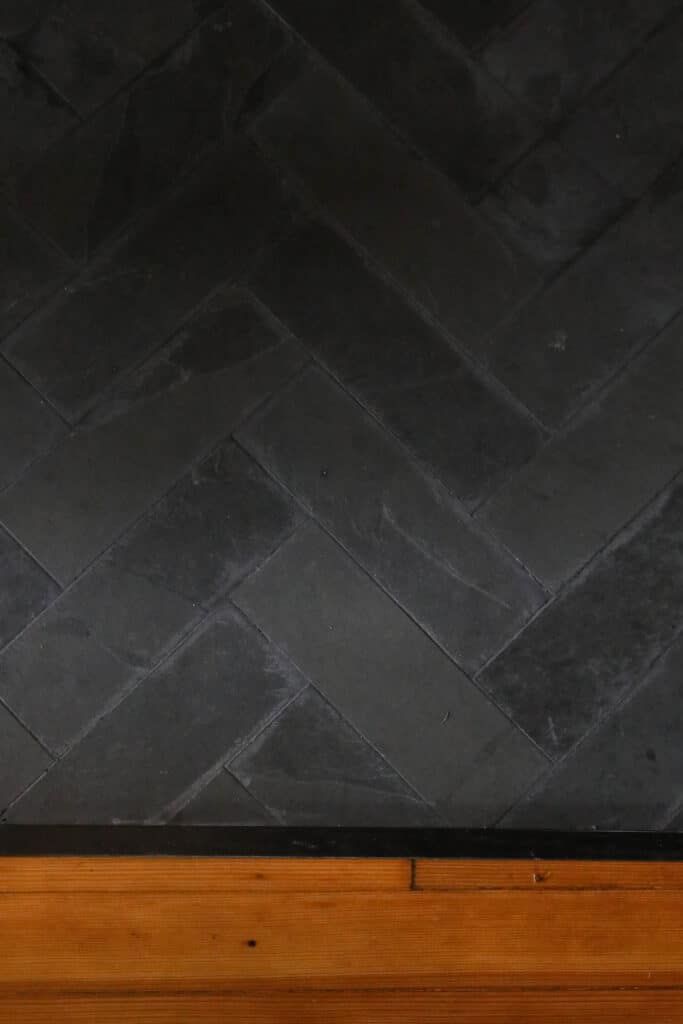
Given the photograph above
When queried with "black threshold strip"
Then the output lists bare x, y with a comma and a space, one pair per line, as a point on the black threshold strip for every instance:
229, 841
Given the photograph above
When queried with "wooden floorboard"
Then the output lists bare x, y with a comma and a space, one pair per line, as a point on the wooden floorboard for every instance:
266, 939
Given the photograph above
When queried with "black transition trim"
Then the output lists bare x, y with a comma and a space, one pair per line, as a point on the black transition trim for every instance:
230, 841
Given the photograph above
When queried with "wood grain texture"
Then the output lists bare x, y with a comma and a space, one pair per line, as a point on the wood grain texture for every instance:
506, 1007
222, 941
201, 874
466, 874
261, 940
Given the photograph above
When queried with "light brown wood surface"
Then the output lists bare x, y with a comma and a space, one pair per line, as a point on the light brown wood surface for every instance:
260, 940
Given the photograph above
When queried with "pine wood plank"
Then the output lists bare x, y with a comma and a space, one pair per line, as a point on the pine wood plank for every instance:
201, 874
546, 874
506, 1007
213, 942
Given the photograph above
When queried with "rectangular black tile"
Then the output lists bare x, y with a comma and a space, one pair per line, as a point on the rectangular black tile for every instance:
22, 760
628, 774
87, 649
632, 128
224, 801
563, 507
25, 590
310, 768
76, 501
130, 300
555, 51
551, 205
31, 116
215, 526
178, 725
407, 216
472, 21
28, 426
568, 341
89, 49
29, 270
395, 363
599, 639
18, 16
428, 87
404, 529
389, 680
120, 161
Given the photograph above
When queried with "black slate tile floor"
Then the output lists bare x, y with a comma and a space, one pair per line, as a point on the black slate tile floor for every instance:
341, 432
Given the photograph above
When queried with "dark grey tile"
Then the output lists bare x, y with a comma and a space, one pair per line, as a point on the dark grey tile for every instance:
555, 52
628, 774
131, 299
551, 205
224, 801
563, 507
89, 49
407, 216
22, 760
181, 723
389, 680
29, 270
121, 160
215, 526
632, 129
72, 504
311, 768
24, 588
402, 528
569, 340
30, 115
82, 654
431, 90
599, 638
28, 426
472, 21
18, 16
394, 362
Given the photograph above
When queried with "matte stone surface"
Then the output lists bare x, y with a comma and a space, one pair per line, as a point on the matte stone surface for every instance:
72, 504
17, 16
405, 531
583, 487
30, 114
88, 185
613, 300
131, 300
88, 49
22, 760
421, 84
632, 128
24, 588
393, 362
82, 654
29, 271
28, 426
310, 768
383, 674
364, 315
224, 801
628, 774
594, 644
555, 52
551, 206
430, 240
180, 723
473, 20
217, 525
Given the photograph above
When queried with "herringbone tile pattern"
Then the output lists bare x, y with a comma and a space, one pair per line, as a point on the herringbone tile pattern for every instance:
341, 412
